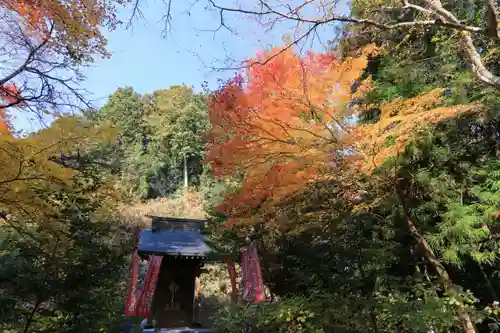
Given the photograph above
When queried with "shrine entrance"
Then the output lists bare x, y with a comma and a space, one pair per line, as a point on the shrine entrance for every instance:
174, 303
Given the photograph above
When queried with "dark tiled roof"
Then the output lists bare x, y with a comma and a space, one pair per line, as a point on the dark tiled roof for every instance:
160, 222
172, 241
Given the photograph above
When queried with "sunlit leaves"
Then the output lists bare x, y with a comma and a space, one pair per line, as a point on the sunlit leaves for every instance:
75, 25
400, 121
277, 124
33, 163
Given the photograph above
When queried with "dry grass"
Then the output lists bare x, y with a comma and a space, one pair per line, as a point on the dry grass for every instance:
181, 204
215, 281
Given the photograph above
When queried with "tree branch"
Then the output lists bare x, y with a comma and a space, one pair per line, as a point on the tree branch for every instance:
491, 20
439, 16
348, 19
35, 64
29, 59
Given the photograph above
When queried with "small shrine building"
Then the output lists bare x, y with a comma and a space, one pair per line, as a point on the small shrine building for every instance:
180, 243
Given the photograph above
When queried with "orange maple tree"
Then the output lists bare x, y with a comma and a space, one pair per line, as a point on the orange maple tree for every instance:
279, 125
31, 11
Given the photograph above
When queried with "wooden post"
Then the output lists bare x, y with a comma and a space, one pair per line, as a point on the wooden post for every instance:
232, 277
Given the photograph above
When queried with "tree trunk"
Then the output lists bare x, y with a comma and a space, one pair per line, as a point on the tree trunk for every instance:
186, 183
31, 317
429, 255
488, 282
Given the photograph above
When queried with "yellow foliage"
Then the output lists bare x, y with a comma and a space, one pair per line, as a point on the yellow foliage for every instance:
75, 26
181, 204
400, 120
28, 164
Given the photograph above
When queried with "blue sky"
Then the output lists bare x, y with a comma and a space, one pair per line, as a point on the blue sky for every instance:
145, 60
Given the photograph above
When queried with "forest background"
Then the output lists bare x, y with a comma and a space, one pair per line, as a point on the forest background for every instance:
368, 172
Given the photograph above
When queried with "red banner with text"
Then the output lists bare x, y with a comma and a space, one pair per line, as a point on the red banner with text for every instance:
253, 284
260, 295
144, 303
132, 288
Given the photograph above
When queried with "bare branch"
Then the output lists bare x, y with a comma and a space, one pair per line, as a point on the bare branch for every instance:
295, 42
470, 51
434, 15
31, 77
348, 19
135, 12
29, 59
476, 63
406, 4
168, 17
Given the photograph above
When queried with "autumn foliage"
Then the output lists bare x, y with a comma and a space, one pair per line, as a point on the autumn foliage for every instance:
29, 165
32, 12
400, 120
74, 26
9, 94
281, 125
278, 124
4, 124
44, 44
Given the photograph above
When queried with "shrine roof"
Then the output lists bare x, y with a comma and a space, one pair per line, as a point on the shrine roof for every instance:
170, 236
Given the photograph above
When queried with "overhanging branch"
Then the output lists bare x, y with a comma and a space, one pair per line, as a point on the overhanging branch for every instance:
436, 15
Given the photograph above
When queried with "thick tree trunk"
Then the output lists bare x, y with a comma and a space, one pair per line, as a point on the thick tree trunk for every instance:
431, 258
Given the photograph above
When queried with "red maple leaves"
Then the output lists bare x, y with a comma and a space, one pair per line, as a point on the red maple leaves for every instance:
10, 93
271, 126
9, 96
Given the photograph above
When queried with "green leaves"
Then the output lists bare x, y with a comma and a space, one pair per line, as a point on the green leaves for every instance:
157, 131
294, 314
41, 262
178, 121
465, 229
